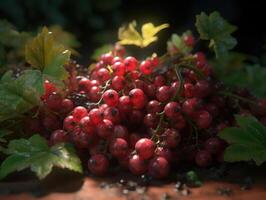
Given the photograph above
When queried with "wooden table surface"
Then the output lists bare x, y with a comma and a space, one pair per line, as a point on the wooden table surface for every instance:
69, 187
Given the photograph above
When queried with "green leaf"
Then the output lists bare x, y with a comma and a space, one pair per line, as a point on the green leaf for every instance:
18, 96
34, 153
47, 55
246, 142
217, 30
177, 45
101, 50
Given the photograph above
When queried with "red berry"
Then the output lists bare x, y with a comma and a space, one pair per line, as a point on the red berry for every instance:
146, 67
137, 98
107, 58
79, 112
202, 119
86, 125
119, 69
134, 75
200, 59
103, 75
105, 129
172, 109
171, 137
151, 120
70, 123
189, 90
145, 148
158, 167
112, 114
154, 107
164, 152
95, 116
203, 158
130, 63
119, 148
111, 97
191, 105
202, 89
189, 40
58, 136
159, 81
120, 131
66, 106
124, 104
95, 93
54, 101
98, 164
118, 83
164, 93
137, 165
214, 145
84, 84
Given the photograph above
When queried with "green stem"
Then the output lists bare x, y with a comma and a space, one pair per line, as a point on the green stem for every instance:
181, 83
192, 68
229, 94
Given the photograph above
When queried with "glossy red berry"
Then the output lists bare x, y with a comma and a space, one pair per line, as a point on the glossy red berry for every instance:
58, 136
118, 147
137, 165
119, 68
95, 116
79, 112
130, 63
164, 93
105, 129
154, 107
98, 164
145, 148
146, 67
118, 83
54, 101
158, 167
111, 97
171, 137
172, 109
137, 98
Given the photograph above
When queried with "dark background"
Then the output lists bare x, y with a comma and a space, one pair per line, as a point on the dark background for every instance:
95, 22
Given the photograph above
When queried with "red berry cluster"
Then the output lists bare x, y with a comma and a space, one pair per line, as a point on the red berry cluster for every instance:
147, 121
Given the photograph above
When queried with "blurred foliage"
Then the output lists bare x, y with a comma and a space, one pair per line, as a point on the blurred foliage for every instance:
217, 30
101, 50
236, 69
12, 44
93, 20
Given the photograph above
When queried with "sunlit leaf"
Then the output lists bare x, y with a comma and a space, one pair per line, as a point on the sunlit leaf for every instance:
128, 35
46, 55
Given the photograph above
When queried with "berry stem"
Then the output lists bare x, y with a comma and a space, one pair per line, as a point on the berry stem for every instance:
181, 83
229, 94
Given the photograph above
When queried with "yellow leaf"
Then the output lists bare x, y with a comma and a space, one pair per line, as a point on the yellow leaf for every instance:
47, 55
130, 36
149, 31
